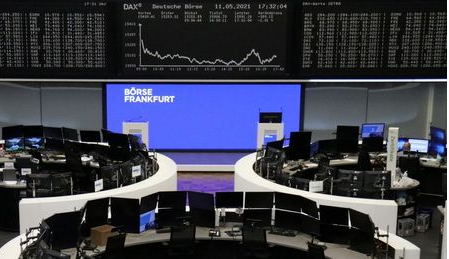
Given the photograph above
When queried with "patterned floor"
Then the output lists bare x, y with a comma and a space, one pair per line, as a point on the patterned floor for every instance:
206, 182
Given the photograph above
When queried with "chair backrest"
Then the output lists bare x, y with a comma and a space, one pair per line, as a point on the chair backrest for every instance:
409, 164
183, 235
115, 246
363, 161
254, 237
315, 251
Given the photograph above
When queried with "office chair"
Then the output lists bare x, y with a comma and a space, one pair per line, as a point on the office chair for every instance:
182, 241
315, 251
364, 161
115, 247
255, 242
62, 184
38, 185
411, 165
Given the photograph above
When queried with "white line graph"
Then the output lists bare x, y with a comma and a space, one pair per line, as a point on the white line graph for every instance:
194, 62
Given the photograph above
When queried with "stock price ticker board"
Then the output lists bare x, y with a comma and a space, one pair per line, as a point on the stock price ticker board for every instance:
375, 39
205, 38
68, 39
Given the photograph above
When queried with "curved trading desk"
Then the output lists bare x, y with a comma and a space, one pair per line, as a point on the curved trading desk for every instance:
383, 212
33, 210
334, 251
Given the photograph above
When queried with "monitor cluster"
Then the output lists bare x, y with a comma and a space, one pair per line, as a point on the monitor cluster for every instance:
62, 164
271, 211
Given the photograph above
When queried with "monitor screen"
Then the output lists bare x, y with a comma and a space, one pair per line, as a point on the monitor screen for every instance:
53, 132
214, 116
14, 144
419, 145
401, 142
287, 220
438, 134
54, 144
148, 203
200, 200
347, 139
174, 200
261, 200
334, 215
287, 201
34, 143
96, 213
147, 220
370, 130
437, 148
33, 131
12, 132
125, 213
90, 135
261, 217
229, 199
299, 145
70, 134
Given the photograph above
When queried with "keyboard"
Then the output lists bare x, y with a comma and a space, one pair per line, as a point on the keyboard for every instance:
283, 232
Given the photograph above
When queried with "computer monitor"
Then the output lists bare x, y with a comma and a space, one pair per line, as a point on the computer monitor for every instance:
347, 139
70, 134
299, 145
201, 200
310, 225
64, 229
270, 117
261, 217
174, 200
53, 132
54, 144
373, 130
148, 203
437, 134
326, 146
202, 217
334, 215
229, 199
105, 135
33, 131
278, 144
373, 144
362, 232
12, 132
437, 148
419, 145
361, 221
401, 142
14, 144
287, 220
259, 200
135, 142
90, 136
287, 201
34, 143
309, 207
118, 140
147, 220
125, 213
96, 213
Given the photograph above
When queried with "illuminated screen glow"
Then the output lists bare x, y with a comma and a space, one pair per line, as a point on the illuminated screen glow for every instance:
202, 116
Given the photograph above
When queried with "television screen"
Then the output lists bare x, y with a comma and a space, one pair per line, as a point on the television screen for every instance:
214, 116
370, 130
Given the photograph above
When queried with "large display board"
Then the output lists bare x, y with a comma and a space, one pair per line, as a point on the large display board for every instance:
357, 39
262, 39
199, 38
201, 116
62, 39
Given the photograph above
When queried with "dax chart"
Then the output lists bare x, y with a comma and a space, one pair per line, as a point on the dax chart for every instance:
197, 38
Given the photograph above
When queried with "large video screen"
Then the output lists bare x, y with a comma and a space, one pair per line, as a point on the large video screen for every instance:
201, 116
